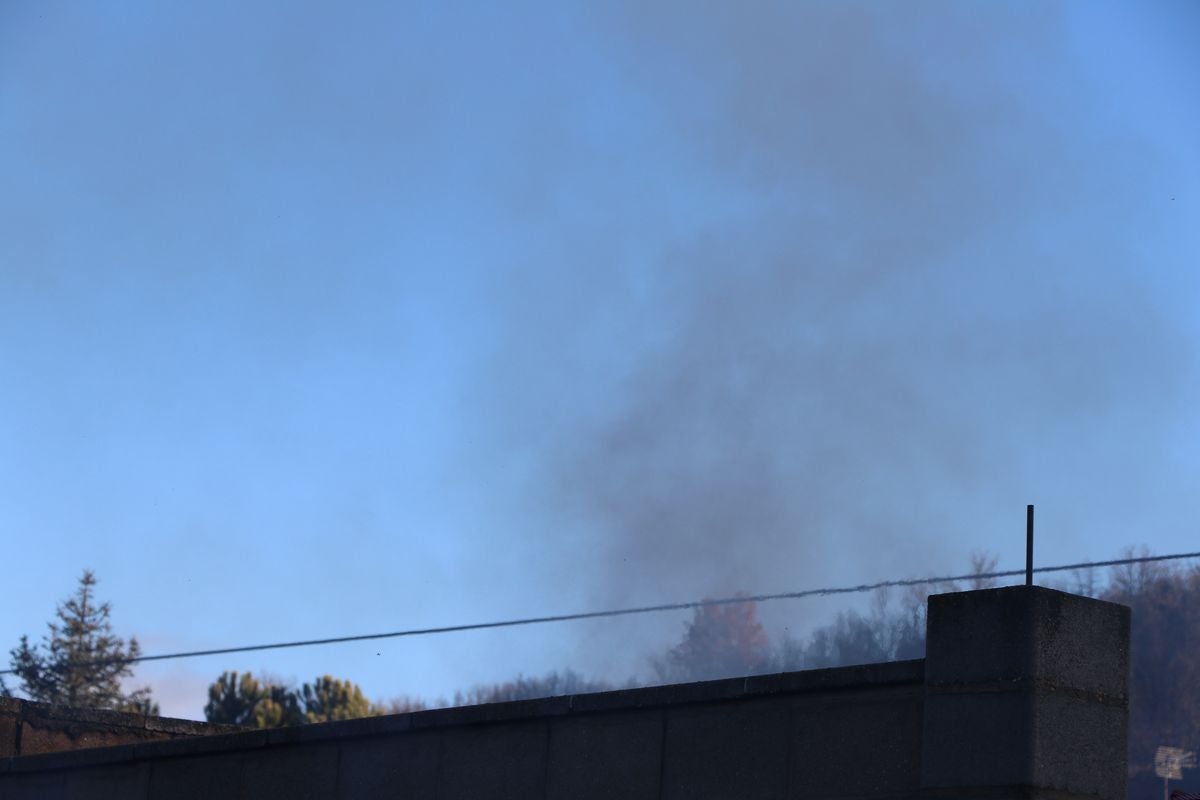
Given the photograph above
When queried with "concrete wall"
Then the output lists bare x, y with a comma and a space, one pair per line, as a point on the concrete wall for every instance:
1022, 696
851, 731
1026, 694
28, 728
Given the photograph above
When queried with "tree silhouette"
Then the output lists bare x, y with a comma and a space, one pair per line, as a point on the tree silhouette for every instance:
247, 701
1164, 673
242, 699
328, 699
81, 662
720, 641
552, 684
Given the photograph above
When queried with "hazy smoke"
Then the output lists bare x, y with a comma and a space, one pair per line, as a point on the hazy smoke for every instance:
916, 301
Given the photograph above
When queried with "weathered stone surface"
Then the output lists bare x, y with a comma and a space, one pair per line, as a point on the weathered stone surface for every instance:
1072, 736
9, 726
1020, 632
1025, 692
53, 736
28, 728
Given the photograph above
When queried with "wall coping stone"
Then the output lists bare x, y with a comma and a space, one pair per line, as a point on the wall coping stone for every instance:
30, 711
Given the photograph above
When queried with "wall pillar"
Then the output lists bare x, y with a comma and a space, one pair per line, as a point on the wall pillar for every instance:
1025, 696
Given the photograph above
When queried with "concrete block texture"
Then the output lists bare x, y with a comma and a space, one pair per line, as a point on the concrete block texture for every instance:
1028, 633
109, 782
504, 761
302, 772
197, 778
1026, 692
35, 786
606, 756
1080, 747
403, 766
266, 773
857, 744
978, 740
727, 750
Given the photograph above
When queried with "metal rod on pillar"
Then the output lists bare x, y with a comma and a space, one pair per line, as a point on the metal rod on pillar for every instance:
1029, 545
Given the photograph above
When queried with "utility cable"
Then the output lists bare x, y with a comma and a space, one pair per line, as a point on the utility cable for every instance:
621, 612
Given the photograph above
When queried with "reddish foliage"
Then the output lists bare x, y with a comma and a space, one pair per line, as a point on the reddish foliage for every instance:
721, 640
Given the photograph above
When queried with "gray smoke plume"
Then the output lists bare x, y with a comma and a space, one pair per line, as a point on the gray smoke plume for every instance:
916, 307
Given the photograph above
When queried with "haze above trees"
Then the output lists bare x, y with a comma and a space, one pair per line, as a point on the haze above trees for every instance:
81, 662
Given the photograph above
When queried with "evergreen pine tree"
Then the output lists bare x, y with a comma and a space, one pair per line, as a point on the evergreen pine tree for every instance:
267, 703
244, 700
233, 698
81, 662
328, 699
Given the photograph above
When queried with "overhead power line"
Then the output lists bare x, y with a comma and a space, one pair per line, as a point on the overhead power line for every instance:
622, 612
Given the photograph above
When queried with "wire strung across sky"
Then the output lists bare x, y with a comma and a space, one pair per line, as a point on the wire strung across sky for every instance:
621, 612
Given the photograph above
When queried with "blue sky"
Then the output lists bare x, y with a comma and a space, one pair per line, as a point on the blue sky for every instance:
319, 320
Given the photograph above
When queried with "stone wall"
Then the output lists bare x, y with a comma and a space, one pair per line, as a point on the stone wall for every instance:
850, 731
28, 728
1022, 696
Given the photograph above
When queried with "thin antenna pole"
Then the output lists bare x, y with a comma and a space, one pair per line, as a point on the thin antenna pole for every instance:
1029, 545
